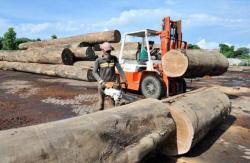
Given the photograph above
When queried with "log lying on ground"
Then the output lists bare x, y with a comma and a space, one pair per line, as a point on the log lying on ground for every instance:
90, 38
45, 55
194, 63
195, 114
122, 134
65, 71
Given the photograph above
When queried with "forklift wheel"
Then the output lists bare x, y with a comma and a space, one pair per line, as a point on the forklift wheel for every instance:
177, 86
152, 87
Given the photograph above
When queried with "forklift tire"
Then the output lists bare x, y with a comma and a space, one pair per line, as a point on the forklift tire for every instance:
182, 86
152, 87
177, 86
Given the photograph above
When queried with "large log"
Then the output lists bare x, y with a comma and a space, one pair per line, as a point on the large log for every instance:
194, 63
123, 134
195, 114
65, 71
78, 54
86, 39
85, 63
44, 55
54, 55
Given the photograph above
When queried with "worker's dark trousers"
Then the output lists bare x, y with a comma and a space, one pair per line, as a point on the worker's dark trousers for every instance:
101, 98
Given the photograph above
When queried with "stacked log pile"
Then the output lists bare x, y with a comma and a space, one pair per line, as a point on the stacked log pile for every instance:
50, 57
69, 50
122, 134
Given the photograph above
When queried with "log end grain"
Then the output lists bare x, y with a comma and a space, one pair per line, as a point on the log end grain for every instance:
68, 57
174, 63
194, 63
195, 114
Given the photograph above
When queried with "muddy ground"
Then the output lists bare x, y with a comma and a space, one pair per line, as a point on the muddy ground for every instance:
28, 99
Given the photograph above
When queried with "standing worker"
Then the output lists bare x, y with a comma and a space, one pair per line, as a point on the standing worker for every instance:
104, 71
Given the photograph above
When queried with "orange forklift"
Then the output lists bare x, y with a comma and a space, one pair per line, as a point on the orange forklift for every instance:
148, 76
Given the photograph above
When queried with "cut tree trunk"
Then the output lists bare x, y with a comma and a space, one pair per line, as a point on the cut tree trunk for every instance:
51, 55
78, 54
65, 71
86, 40
44, 55
195, 114
85, 64
123, 134
194, 63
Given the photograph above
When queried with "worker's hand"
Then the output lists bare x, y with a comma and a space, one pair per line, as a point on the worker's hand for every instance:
102, 83
125, 84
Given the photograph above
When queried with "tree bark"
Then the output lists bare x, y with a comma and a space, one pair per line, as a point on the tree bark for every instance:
195, 114
86, 39
52, 55
65, 71
79, 54
123, 134
194, 63
45, 55
85, 64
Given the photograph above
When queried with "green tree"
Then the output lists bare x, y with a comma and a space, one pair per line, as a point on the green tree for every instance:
193, 46
227, 50
53, 37
242, 53
38, 39
9, 40
1, 45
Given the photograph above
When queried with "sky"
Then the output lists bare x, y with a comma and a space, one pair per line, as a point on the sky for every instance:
205, 22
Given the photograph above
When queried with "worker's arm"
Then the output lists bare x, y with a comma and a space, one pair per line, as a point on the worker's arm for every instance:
95, 71
121, 72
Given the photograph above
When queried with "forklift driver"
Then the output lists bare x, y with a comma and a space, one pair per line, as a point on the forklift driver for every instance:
143, 56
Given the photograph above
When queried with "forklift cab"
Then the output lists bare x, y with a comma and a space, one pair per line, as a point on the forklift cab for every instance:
142, 76
148, 77
132, 45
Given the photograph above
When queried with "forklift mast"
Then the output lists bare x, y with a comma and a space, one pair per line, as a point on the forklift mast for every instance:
171, 36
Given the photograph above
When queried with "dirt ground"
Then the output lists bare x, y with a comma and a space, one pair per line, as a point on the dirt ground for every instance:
28, 99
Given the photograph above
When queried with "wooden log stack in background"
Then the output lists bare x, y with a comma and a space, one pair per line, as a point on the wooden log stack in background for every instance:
113, 36
45, 55
65, 71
